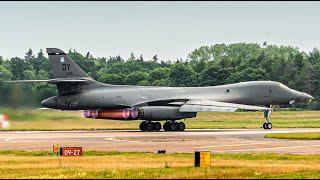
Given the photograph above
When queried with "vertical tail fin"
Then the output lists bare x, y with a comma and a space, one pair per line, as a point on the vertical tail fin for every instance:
63, 66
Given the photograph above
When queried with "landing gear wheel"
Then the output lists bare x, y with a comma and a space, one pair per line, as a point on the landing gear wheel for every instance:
166, 126
173, 126
267, 126
157, 126
149, 126
264, 125
181, 126
143, 126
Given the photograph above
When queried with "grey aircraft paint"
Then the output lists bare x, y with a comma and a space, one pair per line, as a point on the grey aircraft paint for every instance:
109, 96
77, 91
92, 95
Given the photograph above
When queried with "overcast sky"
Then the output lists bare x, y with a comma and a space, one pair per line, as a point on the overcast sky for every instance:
169, 29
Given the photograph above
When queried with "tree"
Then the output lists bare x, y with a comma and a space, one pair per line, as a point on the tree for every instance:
5, 74
17, 66
87, 64
40, 63
141, 58
136, 77
88, 55
249, 74
161, 82
116, 68
29, 55
182, 75
112, 78
132, 57
159, 73
211, 76
29, 74
155, 58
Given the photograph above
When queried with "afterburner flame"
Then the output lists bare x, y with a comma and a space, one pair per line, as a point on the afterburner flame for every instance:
122, 114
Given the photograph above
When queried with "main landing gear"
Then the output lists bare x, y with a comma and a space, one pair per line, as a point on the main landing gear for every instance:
150, 126
267, 124
167, 126
174, 126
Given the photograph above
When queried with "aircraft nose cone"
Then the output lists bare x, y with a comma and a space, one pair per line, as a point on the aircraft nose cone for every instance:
50, 102
306, 97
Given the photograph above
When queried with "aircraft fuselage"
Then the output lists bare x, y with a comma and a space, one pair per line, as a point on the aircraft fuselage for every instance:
113, 96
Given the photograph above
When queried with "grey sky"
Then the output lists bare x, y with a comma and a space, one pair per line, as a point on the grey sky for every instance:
169, 29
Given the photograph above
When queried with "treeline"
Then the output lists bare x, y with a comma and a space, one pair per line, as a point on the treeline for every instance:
206, 66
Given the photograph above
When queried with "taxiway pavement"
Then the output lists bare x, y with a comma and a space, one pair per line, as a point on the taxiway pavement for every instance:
215, 140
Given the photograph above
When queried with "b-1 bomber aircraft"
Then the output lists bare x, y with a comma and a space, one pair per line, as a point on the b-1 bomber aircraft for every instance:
77, 91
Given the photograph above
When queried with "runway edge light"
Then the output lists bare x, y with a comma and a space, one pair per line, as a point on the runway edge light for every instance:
161, 151
202, 158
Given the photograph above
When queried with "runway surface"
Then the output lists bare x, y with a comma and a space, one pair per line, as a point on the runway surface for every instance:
215, 140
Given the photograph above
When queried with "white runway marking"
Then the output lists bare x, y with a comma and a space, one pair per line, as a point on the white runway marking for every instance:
229, 145
272, 148
119, 140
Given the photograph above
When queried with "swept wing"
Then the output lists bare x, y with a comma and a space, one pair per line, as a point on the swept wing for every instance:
215, 106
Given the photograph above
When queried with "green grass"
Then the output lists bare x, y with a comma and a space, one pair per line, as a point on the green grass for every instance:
300, 135
35, 119
29, 153
230, 156
99, 164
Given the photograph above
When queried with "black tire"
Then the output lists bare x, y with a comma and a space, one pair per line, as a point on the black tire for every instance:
269, 126
157, 126
143, 126
181, 126
149, 126
264, 126
173, 126
166, 126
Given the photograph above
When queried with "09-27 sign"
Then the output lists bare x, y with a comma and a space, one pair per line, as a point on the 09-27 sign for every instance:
71, 151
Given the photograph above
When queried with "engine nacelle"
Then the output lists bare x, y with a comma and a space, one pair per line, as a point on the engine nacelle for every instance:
164, 113
146, 113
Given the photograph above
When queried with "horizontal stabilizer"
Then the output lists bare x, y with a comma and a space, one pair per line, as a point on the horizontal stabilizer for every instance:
67, 81
52, 81
26, 81
215, 106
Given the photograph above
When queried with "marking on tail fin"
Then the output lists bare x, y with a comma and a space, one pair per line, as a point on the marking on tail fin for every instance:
65, 67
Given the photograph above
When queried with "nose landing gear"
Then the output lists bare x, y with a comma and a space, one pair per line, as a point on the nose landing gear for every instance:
267, 124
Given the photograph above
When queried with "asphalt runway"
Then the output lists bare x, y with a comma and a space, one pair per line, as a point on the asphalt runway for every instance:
215, 140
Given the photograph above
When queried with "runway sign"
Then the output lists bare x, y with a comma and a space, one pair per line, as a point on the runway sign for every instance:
202, 159
71, 151
55, 149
